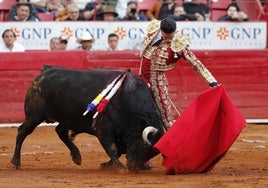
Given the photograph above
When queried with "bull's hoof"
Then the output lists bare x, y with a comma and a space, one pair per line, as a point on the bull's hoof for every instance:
77, 160
15, 164
16, 167
134, 171
147, 166
106, 165
110, 165
76, 156
122, 170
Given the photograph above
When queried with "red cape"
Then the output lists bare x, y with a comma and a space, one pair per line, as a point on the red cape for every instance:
203, 133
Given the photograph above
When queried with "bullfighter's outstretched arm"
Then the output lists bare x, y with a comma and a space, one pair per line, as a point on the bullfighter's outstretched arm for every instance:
197, 65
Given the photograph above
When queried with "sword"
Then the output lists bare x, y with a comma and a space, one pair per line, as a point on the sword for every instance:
173, 105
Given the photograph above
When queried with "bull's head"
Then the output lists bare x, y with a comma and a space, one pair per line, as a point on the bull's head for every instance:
139, 154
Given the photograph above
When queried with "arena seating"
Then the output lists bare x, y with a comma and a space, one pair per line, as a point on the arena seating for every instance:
253, 8
46, 16
264, 15
5, 5
145, 5
218, 8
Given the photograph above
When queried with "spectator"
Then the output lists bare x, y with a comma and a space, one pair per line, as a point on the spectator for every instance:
54, 44
86, 42
93, 10
161, 9
63, 13
179, 10
200, 16
132, 12
195, 6
63, 42
54, 6
10, 44
234, 14
113, 41
73, 13
12, 12
180, 14
40, 5
109, 13
23, 12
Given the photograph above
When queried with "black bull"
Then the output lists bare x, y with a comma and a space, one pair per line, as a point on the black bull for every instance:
130, 124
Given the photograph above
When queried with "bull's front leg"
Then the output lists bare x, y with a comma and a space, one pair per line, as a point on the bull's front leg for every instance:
112, 152
63, 135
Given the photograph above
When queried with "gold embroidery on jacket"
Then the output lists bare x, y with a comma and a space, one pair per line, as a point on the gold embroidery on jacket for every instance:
178, 42
197, 65
151, 32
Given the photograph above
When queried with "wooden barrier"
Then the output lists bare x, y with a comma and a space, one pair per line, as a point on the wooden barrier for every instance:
244, 75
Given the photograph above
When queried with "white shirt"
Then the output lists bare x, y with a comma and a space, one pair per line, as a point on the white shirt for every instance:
110, 49
121, 8
16, 48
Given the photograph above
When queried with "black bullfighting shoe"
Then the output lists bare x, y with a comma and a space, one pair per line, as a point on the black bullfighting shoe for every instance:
147, 166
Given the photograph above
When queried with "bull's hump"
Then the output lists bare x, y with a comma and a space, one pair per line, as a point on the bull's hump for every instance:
98, 71
97, 77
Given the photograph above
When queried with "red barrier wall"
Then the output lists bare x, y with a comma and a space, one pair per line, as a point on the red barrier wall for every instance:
244, 74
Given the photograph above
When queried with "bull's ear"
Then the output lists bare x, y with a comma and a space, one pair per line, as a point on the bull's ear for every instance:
146, 132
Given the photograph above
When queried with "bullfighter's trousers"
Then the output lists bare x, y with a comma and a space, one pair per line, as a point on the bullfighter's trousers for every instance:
159, 88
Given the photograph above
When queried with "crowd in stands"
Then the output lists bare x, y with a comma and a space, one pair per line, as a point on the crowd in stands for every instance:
108, 10
114, 10
85, 42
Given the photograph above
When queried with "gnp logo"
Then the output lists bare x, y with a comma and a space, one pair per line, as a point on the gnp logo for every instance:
121, 32
16, 31
67, 32
239, 33
222, 33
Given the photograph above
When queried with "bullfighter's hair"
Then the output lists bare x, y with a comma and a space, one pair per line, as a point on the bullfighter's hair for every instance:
168, 25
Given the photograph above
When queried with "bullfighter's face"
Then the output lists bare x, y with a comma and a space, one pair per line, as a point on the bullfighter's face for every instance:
167, 37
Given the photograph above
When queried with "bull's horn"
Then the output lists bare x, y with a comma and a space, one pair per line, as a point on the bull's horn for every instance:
146, 131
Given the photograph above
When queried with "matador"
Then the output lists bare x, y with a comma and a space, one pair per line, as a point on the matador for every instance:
162, 48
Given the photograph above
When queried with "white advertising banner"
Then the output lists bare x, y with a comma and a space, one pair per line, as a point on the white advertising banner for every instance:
202, 35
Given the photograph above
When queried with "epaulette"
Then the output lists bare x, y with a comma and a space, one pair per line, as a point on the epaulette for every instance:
151, 32
178, 42
153, 26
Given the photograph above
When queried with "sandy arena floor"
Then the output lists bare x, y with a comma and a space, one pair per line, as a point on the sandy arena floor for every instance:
46, 162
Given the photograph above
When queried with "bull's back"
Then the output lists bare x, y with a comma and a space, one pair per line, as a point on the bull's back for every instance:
78, 79
75, 85
65, 93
